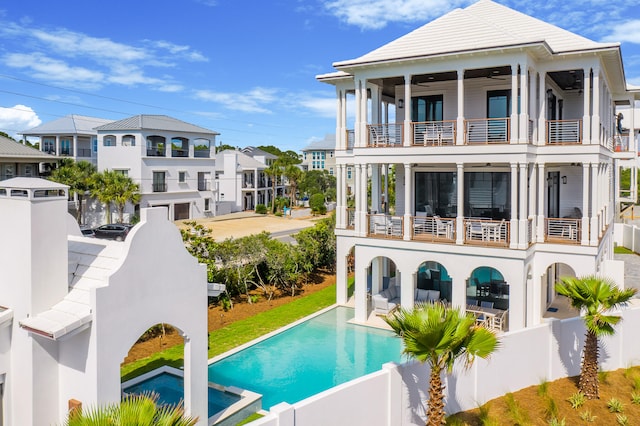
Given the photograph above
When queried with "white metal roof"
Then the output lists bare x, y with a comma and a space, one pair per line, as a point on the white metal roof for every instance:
483, 25
68, 125
244, 161
154, 122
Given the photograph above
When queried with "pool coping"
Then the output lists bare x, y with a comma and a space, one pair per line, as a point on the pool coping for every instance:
272, 333
247, 397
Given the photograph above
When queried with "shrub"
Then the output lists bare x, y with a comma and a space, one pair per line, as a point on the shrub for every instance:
615, 405
635, 398
587, 416
622, 419
577, 400
261, 209
316, 202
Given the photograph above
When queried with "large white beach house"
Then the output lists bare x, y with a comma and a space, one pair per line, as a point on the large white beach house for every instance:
507, 153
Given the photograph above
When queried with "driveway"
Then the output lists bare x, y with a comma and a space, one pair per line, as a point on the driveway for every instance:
236, 225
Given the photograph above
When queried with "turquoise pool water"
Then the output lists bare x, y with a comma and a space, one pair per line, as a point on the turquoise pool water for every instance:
309, 358
169, 388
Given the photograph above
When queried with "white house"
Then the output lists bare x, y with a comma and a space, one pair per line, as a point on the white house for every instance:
506, 154
71, 307
242, 181
173, 161
72, 136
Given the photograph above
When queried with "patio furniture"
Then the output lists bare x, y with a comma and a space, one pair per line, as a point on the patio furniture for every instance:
379, 225
499, 321
378, 138
420, 223
386, 301
443, 228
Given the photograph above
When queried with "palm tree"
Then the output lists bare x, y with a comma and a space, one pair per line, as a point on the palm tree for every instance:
438, 335
142, 410
79, 176
273, 171
596, 296
111, 186
293, 174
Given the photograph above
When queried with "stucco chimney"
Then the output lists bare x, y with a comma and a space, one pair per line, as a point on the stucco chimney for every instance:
34, 252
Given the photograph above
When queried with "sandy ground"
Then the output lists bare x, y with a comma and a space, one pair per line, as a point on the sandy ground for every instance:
237, 225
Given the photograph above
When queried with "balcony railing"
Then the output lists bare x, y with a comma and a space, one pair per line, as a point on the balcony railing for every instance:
351, 139
530, 231
433, 229
621, 143
530, 131
204, 186
201, 153
155, 152
564, 132
386, 226
384, 135
83, 152
563, 230
247, 185
179, 152
485, 131
434, 133
486, 231
351, 218
159, 187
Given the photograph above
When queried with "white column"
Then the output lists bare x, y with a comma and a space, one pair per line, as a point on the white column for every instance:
339, 120
524, 104
360, 292
359, 216
542, 186
584, 239
339, 206
513, 240
542, 118
364, 180
595, 116
360, 139
522, 210
407, 289
594, 205
386, 188
460, 118
586, 106
341, 273
57, 145
376, 111
74, 149
408, 137
533, 191
376, 275
460, 197
364, 109
375, 189
513, 134
408, 198
343, 183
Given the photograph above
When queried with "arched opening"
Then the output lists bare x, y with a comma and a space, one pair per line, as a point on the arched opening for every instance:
156, 146
201, 148
553, 304
433, 276
350, 267
383, 283
488, 297
179, 147
166, 379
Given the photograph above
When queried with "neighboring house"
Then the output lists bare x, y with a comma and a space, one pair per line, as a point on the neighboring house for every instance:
320, 155
506, 162
72, 136
262, 156
17, 160
242, 182
73, 306
173, 161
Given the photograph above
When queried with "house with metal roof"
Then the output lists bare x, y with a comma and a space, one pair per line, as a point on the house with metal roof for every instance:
172, 160
501, 129
72, 136
18, 160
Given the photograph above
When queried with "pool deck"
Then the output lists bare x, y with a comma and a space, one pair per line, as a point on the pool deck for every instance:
374, 320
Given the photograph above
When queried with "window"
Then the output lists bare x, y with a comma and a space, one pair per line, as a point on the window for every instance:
207, 204
159, 182
498, 103
330, 154
179, 147
436, 194
49, 145
331, 171
348, 172
65, 147
426, 108
123, 172
182, 177
109, 140
156, 146
487, 194
94, 143
128, 140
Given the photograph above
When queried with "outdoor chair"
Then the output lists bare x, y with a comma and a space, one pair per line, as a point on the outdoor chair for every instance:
443, 228
486, 304
499, 320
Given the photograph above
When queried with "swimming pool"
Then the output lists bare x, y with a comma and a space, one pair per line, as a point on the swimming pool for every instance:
309, 358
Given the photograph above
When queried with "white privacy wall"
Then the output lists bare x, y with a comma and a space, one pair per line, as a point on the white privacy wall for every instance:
395, 395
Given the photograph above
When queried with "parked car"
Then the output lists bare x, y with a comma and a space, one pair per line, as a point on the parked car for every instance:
87, 231
113, 231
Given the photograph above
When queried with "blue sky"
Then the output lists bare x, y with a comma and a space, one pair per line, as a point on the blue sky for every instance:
243, 68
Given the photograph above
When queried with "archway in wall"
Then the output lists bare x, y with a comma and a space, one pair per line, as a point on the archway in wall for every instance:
382, 274
157, 338
554, 305
487, 286
350, 267
433, 276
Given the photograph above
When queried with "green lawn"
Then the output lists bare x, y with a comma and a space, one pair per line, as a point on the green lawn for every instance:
239, 332
622, 250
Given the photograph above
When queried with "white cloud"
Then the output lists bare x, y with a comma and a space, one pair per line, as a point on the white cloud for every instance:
54, 70
18, 118
324, 107
181, 51
628, 31
375, 14
257, 100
